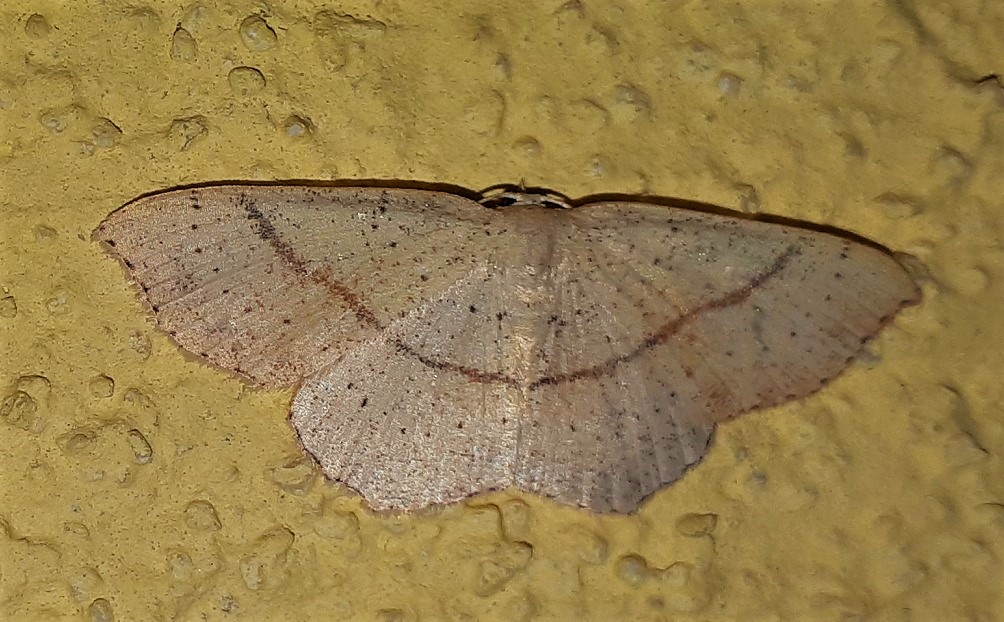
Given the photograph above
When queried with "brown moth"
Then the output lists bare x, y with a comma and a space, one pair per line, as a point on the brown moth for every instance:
444, 348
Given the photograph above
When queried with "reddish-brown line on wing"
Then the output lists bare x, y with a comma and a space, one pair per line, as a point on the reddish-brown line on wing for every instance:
673, 326
267, 232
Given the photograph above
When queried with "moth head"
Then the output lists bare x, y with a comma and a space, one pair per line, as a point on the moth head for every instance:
498, 197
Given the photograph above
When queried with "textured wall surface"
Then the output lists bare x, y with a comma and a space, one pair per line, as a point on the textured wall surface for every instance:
139, 484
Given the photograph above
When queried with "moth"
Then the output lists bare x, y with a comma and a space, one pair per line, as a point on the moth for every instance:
445, 346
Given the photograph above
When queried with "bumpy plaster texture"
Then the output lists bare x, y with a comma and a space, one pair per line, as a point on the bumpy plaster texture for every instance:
138, 483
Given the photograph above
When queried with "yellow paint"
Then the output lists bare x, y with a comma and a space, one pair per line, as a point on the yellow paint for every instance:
139, 484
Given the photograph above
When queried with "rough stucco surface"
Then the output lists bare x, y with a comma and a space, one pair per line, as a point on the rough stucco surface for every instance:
139, 484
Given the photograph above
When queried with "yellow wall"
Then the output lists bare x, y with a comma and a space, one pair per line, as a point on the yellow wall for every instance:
136, 483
